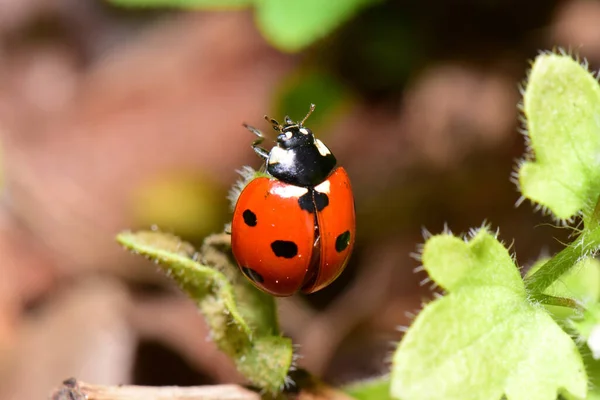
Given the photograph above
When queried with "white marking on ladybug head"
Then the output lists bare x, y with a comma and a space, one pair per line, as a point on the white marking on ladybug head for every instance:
324, 187
304, 131
323, 150
289, 134
288, 191
280, 156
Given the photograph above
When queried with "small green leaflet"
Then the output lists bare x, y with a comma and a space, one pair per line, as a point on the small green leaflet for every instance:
242, 319
561, 103
484, 339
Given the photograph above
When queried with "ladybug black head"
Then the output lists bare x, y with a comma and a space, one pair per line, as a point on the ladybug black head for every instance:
299, 158
293, 136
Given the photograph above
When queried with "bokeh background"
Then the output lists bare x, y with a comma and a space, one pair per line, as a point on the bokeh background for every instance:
115, 118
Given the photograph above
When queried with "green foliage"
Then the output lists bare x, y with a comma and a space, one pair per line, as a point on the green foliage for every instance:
483, 339
242, 320
289, 25
489, 337
561, 104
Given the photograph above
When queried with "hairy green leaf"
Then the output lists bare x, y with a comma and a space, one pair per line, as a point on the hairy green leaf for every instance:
242, 320
561, 104
452, 264
484, 339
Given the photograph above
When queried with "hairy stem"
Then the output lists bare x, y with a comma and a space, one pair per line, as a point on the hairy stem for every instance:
562, 262
558, 301
553, 269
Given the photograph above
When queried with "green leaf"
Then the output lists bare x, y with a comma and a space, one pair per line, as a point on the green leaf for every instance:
453, 264
292, 25
200, 4
377, 388
484, 339
242, 320
561, 104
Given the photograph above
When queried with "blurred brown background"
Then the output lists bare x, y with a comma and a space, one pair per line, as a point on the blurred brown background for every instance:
113, 119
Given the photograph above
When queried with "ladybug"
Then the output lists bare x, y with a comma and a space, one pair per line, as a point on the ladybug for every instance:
293, 226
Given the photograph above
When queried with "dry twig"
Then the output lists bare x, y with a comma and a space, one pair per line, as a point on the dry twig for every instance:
71, 389
76, 390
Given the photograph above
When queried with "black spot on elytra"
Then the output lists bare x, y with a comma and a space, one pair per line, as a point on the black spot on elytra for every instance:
321, 200
284, 248
342, 241
306, 203
249, 218
252, 275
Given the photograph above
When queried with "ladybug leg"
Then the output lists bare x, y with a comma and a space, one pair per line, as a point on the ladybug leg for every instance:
264, 154
257, 132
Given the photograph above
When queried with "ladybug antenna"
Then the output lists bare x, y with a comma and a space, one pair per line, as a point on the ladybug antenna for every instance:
310, 111
276, 125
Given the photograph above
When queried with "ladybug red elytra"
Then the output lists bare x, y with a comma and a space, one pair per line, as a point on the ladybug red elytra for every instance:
293, 228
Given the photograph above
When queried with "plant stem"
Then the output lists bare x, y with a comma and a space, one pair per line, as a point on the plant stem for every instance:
562, 262
594, 220
553, 269
558, 301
